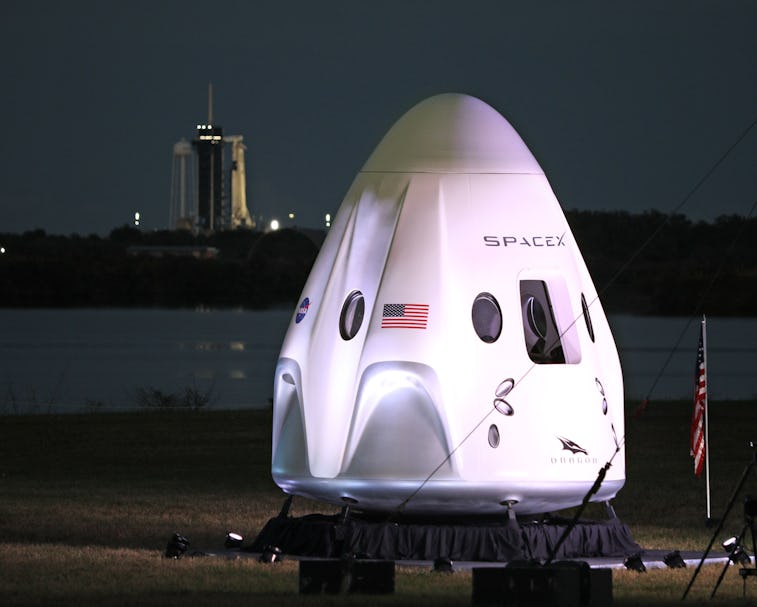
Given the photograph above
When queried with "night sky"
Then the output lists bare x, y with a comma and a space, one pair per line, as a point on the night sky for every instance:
625, 105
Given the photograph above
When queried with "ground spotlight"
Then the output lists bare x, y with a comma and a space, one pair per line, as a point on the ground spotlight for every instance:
634, 563
740, 556
233, 540
736, 552
674, 560
271, 554
443, 565
177, 546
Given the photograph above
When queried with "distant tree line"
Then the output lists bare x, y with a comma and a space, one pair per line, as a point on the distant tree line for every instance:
657, 264
686, 268
131, 268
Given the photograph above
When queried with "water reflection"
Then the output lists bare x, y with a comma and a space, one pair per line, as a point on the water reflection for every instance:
646, 345
61, 360
213, 346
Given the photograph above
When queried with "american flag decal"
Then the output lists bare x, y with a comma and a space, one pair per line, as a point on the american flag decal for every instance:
404, 316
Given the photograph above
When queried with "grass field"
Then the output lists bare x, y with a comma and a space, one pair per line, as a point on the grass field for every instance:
88, 502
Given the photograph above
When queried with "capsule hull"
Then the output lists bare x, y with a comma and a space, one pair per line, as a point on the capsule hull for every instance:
450, 353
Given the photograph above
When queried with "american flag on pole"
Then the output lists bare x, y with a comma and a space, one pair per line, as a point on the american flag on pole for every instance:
404, 316
698, 446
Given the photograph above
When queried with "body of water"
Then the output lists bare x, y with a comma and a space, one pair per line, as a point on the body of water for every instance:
86, 359
93, 358
646, 344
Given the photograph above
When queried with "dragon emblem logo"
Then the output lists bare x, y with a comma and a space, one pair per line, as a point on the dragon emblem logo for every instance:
569, 445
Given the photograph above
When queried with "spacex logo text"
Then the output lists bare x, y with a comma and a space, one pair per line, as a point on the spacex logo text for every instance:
525, 241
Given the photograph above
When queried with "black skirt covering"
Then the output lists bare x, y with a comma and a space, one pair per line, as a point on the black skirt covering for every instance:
487, 539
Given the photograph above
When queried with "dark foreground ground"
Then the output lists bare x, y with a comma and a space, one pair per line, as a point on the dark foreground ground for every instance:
88, 502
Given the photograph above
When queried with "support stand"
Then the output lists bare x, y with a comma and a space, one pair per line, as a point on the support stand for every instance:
732, 501
585, 502
737, 552
286, 507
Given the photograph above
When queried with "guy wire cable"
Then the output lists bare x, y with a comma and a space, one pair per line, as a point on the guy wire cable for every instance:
669, 215
697, 309
585, 502
398, 510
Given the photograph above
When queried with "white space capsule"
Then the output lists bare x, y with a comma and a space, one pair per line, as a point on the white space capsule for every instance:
450, 353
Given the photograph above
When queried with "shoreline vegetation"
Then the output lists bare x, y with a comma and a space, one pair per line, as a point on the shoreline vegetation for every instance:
687, 268
89, 502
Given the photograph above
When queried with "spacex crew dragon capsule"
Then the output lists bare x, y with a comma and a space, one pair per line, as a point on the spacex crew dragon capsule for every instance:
450, 353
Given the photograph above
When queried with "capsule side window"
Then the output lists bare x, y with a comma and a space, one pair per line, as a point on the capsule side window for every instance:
352, 314
540, 331
487, 317
587, 317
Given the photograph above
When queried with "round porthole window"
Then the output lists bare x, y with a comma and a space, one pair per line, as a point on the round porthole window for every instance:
505, 408
587, 318
352, 314
601, 389
504, 388
493, 436
487, 317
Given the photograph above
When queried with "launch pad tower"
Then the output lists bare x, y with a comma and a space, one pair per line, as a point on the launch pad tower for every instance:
209, 211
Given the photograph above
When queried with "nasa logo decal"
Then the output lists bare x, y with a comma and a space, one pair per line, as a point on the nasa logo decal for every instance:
303, 309
569, 445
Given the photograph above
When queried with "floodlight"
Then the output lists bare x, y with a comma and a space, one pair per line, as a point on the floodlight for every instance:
233, 540
740, 556
634, 563
730, 544
176, 546
736, 552
674, 560
271, 554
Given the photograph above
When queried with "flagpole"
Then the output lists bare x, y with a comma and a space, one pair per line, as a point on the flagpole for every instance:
706, 419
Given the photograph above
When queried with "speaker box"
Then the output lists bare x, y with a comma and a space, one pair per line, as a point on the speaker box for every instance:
341, 576
561, 584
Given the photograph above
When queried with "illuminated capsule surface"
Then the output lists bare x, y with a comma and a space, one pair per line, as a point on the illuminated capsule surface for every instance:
449, 353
